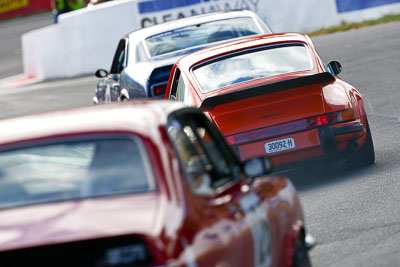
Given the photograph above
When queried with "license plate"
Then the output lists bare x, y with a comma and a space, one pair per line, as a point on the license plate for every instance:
279, 145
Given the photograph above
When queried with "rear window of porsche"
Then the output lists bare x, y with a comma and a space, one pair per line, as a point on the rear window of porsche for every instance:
252, 64
200, 34
73, 170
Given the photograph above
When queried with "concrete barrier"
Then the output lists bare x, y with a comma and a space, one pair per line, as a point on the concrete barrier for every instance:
85, 40
81, 42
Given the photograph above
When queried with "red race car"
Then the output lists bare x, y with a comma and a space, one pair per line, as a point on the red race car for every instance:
149, 183
272, 95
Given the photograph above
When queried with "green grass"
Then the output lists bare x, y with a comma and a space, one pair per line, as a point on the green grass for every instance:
348, 26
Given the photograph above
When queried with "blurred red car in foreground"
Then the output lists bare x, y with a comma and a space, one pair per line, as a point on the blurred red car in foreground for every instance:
139, 184
272, 95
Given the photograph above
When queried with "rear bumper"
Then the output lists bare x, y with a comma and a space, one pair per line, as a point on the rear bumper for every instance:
325, 141
331, 137
355, 128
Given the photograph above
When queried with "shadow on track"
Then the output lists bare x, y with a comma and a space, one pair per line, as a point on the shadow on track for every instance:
318, 174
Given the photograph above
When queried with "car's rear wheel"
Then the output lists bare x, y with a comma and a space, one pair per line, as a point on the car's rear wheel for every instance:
300, 256
363, 156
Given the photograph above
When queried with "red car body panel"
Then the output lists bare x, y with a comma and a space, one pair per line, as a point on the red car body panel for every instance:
176, 226
243, 115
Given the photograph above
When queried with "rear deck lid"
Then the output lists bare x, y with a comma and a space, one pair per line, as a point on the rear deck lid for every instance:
269, 104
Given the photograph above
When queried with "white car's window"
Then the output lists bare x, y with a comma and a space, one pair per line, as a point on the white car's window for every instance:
200, 34
253, 65
73, 170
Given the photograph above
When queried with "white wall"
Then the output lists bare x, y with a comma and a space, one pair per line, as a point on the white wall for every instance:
85, 40
81, 42
285, 15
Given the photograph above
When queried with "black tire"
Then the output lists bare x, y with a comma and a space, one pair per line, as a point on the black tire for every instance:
300, 256
365, 155
123, 99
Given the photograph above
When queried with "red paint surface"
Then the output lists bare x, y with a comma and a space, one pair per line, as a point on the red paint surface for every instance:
173, 223
247, 116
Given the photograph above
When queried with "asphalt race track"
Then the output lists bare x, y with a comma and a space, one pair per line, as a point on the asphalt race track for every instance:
354, 215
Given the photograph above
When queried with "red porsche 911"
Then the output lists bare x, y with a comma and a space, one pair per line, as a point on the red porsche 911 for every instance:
140, 184
272, 95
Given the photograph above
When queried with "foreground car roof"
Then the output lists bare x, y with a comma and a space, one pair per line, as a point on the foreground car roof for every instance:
111, 117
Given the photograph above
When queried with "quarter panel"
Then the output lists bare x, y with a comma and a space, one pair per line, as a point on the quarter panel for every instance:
336, 96
136, 89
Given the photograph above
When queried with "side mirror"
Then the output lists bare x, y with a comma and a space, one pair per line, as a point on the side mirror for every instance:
257, 167
334, 67
101, 73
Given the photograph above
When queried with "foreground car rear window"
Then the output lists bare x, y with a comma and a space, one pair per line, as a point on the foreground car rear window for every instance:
200, 34
73, 170
251, 65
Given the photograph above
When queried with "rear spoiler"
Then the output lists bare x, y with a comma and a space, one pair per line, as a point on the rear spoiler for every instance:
213, 101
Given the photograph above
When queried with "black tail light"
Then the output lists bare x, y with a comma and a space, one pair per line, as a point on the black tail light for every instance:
158, 90
158, 81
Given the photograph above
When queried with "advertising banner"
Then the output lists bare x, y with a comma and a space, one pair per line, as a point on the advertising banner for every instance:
347, 5
10, 5
13, 8
158, 11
